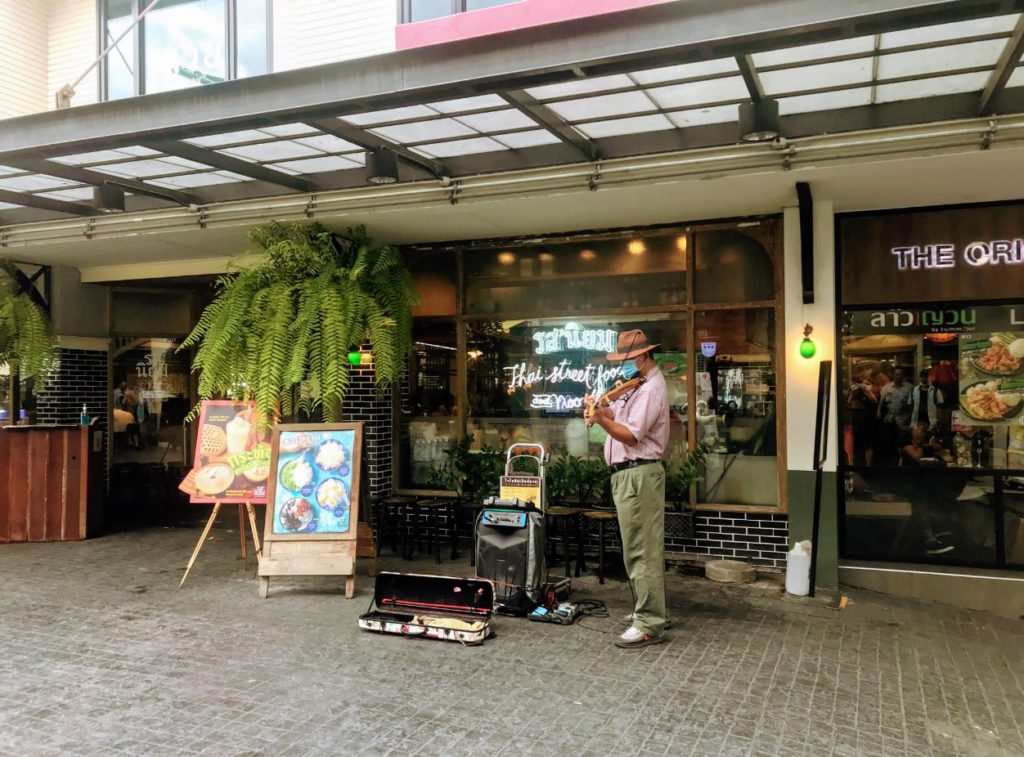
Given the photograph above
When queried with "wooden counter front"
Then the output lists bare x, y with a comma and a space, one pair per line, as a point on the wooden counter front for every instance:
50, 483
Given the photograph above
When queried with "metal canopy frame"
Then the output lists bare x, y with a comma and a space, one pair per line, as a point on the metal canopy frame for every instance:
520, 99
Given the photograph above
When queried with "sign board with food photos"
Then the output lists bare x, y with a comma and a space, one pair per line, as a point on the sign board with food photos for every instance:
232, 458
992, 379
312, 501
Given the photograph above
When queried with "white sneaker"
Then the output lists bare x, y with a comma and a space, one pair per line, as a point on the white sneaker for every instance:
628, 618
631, 635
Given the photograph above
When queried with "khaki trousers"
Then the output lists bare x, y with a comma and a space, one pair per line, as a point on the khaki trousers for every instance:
639, 495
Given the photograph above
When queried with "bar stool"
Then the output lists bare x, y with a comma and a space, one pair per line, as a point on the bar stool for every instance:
601, 518
565, 520
432, 506
390, 516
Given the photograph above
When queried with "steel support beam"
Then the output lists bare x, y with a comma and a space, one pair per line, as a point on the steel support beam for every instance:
750, 77
1008, 61
224, 162
357, 136
657, 35
543, 116
47, 203
99, 179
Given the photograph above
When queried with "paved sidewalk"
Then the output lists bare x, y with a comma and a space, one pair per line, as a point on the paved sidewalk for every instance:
101, 654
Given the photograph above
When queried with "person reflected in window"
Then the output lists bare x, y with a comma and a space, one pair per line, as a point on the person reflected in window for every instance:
924, 402
119, 393
894, 415
928, 494
862, 410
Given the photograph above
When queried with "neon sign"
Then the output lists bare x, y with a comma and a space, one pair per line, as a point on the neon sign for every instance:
943, 255
572, 336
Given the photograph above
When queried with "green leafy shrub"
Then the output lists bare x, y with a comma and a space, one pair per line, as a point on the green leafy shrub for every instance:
27, 343
679, 477
290, 319
473, 476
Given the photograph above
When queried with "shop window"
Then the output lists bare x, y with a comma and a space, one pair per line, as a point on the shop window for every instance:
620, 273
526, 379
183, 43
151, 398
734, 265
424, 10
735, 413
429, 420
926, 515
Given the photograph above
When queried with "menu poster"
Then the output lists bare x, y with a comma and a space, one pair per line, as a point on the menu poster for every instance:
315, 485
992, 379
232, 458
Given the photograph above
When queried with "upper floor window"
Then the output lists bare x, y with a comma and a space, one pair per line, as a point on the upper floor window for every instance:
424, 10
182, 43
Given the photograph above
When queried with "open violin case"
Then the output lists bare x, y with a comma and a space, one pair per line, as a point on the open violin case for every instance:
431, 607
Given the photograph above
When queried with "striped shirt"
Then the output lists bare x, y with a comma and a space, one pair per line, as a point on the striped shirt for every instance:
645, 413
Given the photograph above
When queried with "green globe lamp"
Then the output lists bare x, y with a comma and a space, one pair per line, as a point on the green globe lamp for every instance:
807, 348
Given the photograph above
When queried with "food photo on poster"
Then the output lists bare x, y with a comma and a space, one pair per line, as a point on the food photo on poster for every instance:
314, 482
232, 455
992, 378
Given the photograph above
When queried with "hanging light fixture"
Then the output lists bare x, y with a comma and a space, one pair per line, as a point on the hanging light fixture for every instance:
108, 199
807, 346
759, 120
381, 167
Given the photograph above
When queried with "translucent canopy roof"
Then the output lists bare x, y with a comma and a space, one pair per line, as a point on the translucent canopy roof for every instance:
648, 108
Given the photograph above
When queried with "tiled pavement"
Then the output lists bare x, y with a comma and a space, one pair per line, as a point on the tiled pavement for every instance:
101, 654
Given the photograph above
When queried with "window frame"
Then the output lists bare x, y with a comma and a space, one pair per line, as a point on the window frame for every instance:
457, 6
772, 232
138, 36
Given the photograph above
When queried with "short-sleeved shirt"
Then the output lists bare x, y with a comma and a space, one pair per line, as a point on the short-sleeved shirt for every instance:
645, 413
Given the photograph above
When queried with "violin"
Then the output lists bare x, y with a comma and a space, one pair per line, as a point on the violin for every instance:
606, 399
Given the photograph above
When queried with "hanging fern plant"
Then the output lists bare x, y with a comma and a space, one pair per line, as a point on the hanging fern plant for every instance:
27, 342
281, 329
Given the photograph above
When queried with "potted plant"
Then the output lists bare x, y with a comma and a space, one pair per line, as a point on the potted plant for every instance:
473, 476
280, 329
28, 345
679, 478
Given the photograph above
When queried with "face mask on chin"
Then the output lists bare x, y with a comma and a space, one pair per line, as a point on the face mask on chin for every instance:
629, 369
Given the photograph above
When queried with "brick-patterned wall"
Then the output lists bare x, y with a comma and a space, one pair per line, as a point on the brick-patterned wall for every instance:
82, 379
760, 538
363, 404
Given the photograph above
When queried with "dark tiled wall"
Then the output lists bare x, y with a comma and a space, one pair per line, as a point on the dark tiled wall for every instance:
82, 378
363, 404
757, 537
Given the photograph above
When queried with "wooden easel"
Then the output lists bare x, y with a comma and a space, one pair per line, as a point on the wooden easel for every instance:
241, 533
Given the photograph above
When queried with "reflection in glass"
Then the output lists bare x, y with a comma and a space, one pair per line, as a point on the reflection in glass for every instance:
424, 10
429, 422
185, 44
120, 62
1013, 520
251, 38
920, 514
733, 265
618, 272
473, 5
150, 400
735, 412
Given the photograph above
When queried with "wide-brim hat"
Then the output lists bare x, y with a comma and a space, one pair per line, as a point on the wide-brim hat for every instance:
630, 344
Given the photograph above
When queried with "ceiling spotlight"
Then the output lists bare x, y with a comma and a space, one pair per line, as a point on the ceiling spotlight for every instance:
636, 247
108, 199
381, 167
759, 121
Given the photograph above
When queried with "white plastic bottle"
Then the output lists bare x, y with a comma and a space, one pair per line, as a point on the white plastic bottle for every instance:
798, 569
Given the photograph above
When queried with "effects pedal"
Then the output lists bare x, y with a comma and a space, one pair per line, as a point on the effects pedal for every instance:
565, 613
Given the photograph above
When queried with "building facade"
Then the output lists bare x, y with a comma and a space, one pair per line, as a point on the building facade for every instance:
721, 192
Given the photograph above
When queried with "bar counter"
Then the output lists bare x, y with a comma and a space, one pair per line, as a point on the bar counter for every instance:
51, 482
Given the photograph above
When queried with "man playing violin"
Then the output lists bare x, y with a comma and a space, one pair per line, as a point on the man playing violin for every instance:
637, 424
